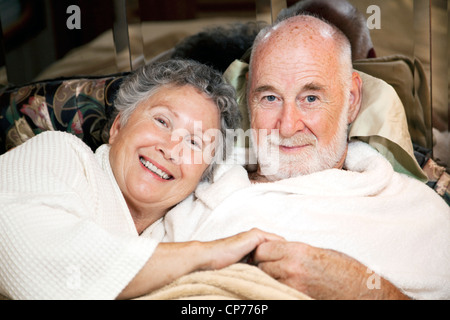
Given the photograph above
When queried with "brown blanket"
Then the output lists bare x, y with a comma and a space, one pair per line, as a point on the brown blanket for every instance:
238, 281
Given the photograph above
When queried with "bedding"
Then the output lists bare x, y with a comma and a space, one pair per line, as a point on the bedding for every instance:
238, 281
391, 223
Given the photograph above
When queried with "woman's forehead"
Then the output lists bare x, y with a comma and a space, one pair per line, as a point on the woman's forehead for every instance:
186, 104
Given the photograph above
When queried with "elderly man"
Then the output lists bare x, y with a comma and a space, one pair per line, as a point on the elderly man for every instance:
354, 227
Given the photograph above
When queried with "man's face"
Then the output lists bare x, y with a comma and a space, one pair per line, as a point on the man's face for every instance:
299, 92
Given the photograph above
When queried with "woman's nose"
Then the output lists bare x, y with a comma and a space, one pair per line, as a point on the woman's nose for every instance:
171, 148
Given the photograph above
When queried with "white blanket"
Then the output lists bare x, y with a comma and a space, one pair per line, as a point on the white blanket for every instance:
395, 225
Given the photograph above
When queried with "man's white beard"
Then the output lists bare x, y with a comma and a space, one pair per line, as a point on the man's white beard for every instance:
275, 165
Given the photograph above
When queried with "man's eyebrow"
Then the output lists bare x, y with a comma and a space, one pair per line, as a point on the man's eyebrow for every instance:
313, 86
264, 88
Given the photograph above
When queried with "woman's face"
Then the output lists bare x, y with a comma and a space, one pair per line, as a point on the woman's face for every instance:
159, 156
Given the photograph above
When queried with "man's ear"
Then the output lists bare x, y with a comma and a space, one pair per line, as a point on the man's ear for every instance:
115, 128
355, 97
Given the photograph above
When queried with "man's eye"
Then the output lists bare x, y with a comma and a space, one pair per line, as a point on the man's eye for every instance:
311, 99
270, 98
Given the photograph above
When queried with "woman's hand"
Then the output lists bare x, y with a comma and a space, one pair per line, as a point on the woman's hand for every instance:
173, 260
223, 252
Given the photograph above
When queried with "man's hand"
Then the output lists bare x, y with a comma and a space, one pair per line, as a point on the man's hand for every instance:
321, 273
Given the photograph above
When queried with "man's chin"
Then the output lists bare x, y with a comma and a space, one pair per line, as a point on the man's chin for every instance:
282, 171
277, 165
279, 170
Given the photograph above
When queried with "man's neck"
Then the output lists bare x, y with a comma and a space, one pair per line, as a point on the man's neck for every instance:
258, 177
340, 164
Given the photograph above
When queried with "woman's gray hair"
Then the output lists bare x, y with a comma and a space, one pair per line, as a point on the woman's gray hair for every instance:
144, 82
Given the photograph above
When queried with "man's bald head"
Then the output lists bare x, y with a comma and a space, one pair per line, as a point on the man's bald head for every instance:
319, 36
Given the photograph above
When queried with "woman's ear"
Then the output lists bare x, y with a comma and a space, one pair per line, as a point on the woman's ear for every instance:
115, 128
355, 97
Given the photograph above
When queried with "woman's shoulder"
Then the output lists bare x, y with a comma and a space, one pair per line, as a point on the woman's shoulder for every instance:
47, 158
59, 139
49, 144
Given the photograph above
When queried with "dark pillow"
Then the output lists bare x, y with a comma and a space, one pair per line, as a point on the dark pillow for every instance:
82, 106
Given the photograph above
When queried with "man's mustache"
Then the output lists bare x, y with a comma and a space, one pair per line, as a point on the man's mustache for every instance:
300, 139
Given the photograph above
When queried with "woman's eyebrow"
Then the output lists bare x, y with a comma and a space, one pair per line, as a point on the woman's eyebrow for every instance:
165, 107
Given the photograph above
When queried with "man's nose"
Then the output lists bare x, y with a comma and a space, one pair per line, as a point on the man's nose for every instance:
291, 120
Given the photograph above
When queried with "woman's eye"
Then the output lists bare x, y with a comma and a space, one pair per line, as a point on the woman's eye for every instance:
162, 122
194, 143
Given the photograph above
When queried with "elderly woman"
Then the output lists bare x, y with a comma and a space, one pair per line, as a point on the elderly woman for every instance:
77, 224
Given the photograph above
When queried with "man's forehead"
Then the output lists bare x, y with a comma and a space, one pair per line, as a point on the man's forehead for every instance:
277, 74
286, 54
276, 67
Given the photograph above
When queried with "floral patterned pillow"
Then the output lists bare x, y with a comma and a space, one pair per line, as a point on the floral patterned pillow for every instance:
82, 106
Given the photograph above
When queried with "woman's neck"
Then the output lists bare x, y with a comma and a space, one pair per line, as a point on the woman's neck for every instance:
144, 218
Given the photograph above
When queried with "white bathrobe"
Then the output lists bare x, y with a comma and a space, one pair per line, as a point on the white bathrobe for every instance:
65, 229
395, 225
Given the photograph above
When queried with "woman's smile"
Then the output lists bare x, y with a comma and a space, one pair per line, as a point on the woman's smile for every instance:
155, 169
